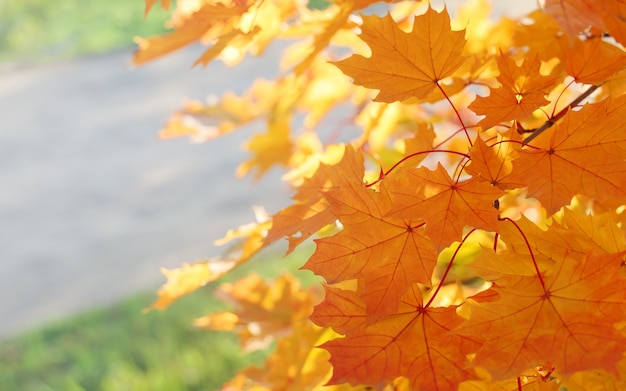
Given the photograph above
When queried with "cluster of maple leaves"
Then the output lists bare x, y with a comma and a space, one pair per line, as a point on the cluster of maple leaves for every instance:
470, 228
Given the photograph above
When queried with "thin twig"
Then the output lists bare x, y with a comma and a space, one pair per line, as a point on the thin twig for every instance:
552, 120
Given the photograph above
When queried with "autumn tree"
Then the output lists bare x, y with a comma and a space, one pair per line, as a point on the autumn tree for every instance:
463, 179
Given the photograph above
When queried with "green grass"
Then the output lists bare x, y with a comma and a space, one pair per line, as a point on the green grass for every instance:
120, 348
41, 30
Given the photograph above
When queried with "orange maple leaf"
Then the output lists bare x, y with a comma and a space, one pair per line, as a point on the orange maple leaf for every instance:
575, 15
521, 92
493, 164
514, 260
311, 211
446, 206
188, 278
416, 343
593, 61
272, 307
566, 318
165, 4
613, 14
599, 228
387, 254
341, 309
573, 240
583, 154
406, 65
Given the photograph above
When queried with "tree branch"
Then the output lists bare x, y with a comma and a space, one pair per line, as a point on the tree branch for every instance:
552, 120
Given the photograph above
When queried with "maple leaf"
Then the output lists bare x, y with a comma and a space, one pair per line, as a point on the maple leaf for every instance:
566, 318
194, 27
415, 342
296, 364
386, 254
322, 39
593, 61
492, 164
188, 278
260, 309
574, 15
165, 4
445, 205
522, 91
544, 245
564, 160
598, 228
406, 65
558, 293
505, 105
268, 149
600, 380
229, 39
613, 14
311, 211
341, 309
541, 36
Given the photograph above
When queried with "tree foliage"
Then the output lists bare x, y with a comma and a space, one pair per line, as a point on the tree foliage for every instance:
467, 207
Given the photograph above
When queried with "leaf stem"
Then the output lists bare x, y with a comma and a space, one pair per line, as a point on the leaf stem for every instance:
407, 157
552, 120
514, 142
458, 116
530, 250
449, 267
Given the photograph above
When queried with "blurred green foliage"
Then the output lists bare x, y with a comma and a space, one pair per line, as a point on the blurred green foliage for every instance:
41, 30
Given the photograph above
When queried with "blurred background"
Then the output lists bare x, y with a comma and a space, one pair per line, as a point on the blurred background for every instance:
93, 204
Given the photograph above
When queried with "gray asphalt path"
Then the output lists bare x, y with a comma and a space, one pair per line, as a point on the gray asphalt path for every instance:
92, 204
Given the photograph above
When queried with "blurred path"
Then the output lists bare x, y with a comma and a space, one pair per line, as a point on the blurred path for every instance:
92, 204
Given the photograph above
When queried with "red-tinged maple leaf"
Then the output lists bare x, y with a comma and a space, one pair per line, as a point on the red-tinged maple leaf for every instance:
593, 61
566, 319
406, 65
583, 154
193, 28
445, 205
415, 343
386, 254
